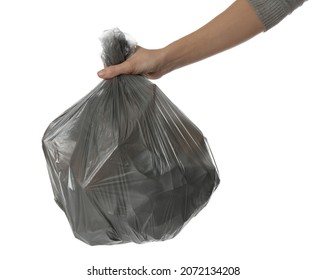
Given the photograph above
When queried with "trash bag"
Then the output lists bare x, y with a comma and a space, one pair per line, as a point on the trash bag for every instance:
125, 164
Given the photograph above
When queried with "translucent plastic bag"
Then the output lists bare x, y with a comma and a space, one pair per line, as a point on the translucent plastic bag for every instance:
125, 163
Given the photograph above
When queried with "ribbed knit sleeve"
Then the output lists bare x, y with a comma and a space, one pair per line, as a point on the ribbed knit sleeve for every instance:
272, 12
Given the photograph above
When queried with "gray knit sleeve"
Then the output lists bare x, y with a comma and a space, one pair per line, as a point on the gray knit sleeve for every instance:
272, 12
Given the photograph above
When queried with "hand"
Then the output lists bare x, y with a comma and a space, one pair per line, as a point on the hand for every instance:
146, 62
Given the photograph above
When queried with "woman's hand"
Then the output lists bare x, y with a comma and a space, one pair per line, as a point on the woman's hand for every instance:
145, 62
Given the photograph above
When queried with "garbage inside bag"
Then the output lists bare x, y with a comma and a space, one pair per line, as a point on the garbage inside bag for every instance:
125, 164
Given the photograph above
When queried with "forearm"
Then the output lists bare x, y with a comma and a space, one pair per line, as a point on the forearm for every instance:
235, 25
238, 23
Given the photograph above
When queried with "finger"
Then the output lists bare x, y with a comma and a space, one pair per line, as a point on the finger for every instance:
153, 75
114, 70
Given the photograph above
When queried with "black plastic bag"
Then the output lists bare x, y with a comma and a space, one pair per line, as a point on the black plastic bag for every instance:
125, 163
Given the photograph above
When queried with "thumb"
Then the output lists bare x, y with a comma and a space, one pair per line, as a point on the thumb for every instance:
114, 70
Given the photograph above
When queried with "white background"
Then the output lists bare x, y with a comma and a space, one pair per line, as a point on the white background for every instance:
261, 105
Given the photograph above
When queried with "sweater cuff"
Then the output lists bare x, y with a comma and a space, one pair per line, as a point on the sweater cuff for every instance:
269, 12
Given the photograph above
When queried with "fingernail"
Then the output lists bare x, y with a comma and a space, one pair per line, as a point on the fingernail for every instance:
101, 73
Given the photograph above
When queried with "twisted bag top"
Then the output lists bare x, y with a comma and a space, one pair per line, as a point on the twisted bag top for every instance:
125, 164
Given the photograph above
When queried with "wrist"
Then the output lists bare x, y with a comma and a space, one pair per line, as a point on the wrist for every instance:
167, 60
